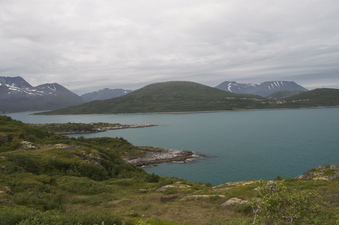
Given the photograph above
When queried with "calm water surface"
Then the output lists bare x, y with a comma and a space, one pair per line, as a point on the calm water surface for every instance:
245, 145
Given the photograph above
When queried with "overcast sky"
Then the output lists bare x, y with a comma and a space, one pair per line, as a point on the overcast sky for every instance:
88, 45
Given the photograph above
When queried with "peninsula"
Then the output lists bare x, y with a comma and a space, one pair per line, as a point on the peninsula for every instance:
86, 128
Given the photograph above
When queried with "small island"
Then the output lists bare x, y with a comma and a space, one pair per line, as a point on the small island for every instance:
86, 128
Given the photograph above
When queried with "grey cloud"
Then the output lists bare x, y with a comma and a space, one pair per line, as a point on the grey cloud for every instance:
128, 44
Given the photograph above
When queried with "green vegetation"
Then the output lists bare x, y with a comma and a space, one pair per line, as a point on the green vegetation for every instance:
75, 127
276, 204
315, 98
284, 94
48, 178
81, 128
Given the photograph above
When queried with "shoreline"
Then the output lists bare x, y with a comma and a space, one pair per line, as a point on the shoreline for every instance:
104, 129
206, 111
160, 155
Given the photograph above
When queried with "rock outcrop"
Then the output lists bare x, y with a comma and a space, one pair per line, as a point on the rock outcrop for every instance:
160, 155
234, 201
327, 172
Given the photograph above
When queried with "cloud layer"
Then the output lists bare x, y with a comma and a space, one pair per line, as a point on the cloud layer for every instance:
88, 45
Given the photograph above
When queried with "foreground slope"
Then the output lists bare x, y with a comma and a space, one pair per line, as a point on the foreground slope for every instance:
175, 96
46, 178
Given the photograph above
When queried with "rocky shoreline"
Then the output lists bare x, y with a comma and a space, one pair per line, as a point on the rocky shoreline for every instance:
155, 155
103, 129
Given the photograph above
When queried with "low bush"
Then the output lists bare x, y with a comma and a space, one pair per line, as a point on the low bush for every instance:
14, 215
39, 200
81, 185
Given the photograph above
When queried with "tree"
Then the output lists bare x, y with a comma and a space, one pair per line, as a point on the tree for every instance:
277, 204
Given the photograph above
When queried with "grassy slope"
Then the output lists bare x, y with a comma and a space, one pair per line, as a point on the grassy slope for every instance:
317, 97
83, 181
176, 96
284, 94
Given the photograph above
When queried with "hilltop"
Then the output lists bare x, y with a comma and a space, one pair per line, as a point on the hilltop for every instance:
48, 178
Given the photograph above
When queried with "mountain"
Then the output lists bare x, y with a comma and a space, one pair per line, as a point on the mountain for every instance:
174, 96
104, 94
17, 95
263, 89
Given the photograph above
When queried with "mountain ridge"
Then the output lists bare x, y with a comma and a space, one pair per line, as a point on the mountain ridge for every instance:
17, 95
184, 96
172, 96
263, 89
104, 94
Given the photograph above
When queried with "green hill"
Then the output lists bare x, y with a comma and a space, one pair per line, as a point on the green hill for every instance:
175, 96
284, 94
47, 178
324, 97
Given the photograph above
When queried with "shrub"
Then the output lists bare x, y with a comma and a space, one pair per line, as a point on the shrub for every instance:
85, 218
48, 217
13, 215
81, 185
41, 200
152, 178
278, 205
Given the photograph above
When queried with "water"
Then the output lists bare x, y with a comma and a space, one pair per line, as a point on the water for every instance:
244, 145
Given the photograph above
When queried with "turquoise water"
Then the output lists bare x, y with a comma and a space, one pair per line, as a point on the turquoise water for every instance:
244, 145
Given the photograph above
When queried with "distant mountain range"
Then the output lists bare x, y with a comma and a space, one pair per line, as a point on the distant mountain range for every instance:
176, 96
104, 94
17, 95
263, 89
183, 96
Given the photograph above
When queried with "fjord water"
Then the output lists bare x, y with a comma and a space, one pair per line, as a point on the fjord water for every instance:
240, 145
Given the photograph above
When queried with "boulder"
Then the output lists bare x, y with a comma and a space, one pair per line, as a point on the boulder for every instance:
199, 197
234, 201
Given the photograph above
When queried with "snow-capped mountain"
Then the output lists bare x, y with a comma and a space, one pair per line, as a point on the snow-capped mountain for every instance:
104, 94
263, 89
18, 95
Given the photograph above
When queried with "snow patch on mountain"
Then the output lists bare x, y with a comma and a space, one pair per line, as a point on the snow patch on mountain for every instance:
263, 89
17, 95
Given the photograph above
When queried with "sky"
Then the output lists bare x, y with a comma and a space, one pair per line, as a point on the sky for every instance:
88, 45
